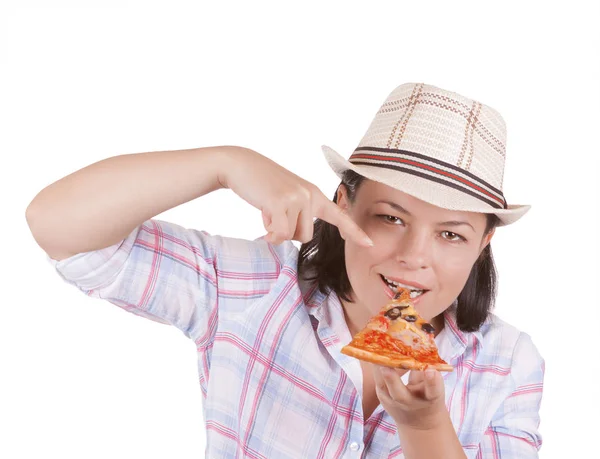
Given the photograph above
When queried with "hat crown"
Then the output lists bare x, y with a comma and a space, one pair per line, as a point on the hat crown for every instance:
438, 146
444, 126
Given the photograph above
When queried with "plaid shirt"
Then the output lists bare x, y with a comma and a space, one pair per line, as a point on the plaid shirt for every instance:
274, 382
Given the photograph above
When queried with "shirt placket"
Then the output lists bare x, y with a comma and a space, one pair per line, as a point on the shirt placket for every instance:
334, 334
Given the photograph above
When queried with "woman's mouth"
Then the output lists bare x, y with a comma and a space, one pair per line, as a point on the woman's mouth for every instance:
391, 288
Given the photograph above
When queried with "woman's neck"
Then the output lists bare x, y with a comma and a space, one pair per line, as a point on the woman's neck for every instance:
356, 317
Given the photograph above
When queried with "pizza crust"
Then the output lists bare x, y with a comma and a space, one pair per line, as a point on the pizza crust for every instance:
406, 363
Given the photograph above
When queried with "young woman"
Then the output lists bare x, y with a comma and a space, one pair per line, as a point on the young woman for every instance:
418, 204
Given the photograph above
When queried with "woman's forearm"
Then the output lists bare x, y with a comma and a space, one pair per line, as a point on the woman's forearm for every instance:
438, 442
99, 205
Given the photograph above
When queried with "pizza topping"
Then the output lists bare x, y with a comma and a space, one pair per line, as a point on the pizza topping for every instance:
427, 328
384, 344
410, 318
378, 323
395, 312
409, 338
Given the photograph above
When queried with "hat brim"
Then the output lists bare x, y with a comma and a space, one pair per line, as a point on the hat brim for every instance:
431, 192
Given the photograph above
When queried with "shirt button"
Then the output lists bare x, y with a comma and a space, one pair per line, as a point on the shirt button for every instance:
354, 446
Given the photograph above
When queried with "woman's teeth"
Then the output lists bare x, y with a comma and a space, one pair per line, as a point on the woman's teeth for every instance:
394, 286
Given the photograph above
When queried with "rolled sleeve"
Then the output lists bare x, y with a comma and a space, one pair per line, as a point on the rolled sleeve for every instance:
160, 271
513, 431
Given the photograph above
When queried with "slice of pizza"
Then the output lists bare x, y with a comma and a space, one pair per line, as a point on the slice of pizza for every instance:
398, 337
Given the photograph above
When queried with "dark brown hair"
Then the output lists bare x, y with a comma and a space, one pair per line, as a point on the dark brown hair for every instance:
328, 266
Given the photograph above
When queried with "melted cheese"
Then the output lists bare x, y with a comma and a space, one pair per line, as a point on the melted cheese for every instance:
409, 338
407, 331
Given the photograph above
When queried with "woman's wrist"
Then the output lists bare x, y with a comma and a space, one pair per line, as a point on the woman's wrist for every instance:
431, 437
424, 420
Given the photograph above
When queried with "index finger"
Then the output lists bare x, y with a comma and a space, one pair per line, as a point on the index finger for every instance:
332, 213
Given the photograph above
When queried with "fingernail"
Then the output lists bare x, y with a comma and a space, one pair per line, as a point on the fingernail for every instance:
368, 241
429, 374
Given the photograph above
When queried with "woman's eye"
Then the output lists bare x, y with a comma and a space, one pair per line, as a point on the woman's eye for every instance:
392, 219
452, 237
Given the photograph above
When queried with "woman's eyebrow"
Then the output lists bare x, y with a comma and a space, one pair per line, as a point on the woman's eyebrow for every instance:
398, 207
456, 223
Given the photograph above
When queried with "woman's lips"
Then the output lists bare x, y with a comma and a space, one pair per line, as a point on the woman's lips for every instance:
390, 293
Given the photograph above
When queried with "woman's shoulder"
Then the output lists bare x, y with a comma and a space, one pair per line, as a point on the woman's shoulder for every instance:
499, 336
495, 328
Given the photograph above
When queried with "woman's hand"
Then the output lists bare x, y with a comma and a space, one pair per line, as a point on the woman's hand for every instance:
288, 203
417, 405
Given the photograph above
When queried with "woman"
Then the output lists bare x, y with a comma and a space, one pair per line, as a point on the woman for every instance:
418, 205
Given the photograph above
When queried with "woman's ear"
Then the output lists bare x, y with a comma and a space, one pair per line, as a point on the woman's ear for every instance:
343, 203
486, 240
342, 197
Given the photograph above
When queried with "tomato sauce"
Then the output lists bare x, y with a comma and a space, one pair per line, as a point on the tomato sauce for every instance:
382, 343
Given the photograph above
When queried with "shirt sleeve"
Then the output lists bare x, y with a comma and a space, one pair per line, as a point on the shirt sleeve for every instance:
160, 271
513, 431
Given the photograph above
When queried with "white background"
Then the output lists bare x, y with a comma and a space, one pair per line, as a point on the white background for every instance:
82, 81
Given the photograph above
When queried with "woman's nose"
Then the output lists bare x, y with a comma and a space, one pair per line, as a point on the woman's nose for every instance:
414, 250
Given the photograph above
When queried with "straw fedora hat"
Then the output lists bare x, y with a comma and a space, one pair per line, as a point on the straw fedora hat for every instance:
438, 146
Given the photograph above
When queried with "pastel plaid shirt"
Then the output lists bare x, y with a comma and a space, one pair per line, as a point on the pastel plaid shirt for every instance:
274, 382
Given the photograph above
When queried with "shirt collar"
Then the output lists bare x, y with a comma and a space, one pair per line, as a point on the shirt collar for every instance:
457, 339
314, 299
316, 303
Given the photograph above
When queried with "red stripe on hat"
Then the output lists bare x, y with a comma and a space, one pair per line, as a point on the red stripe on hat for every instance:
430, 168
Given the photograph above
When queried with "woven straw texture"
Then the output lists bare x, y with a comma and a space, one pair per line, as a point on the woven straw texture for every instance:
438, 146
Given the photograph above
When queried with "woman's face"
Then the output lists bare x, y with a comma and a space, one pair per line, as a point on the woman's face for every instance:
416, 243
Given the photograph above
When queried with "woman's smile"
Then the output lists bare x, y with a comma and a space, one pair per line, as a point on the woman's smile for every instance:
390, 287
